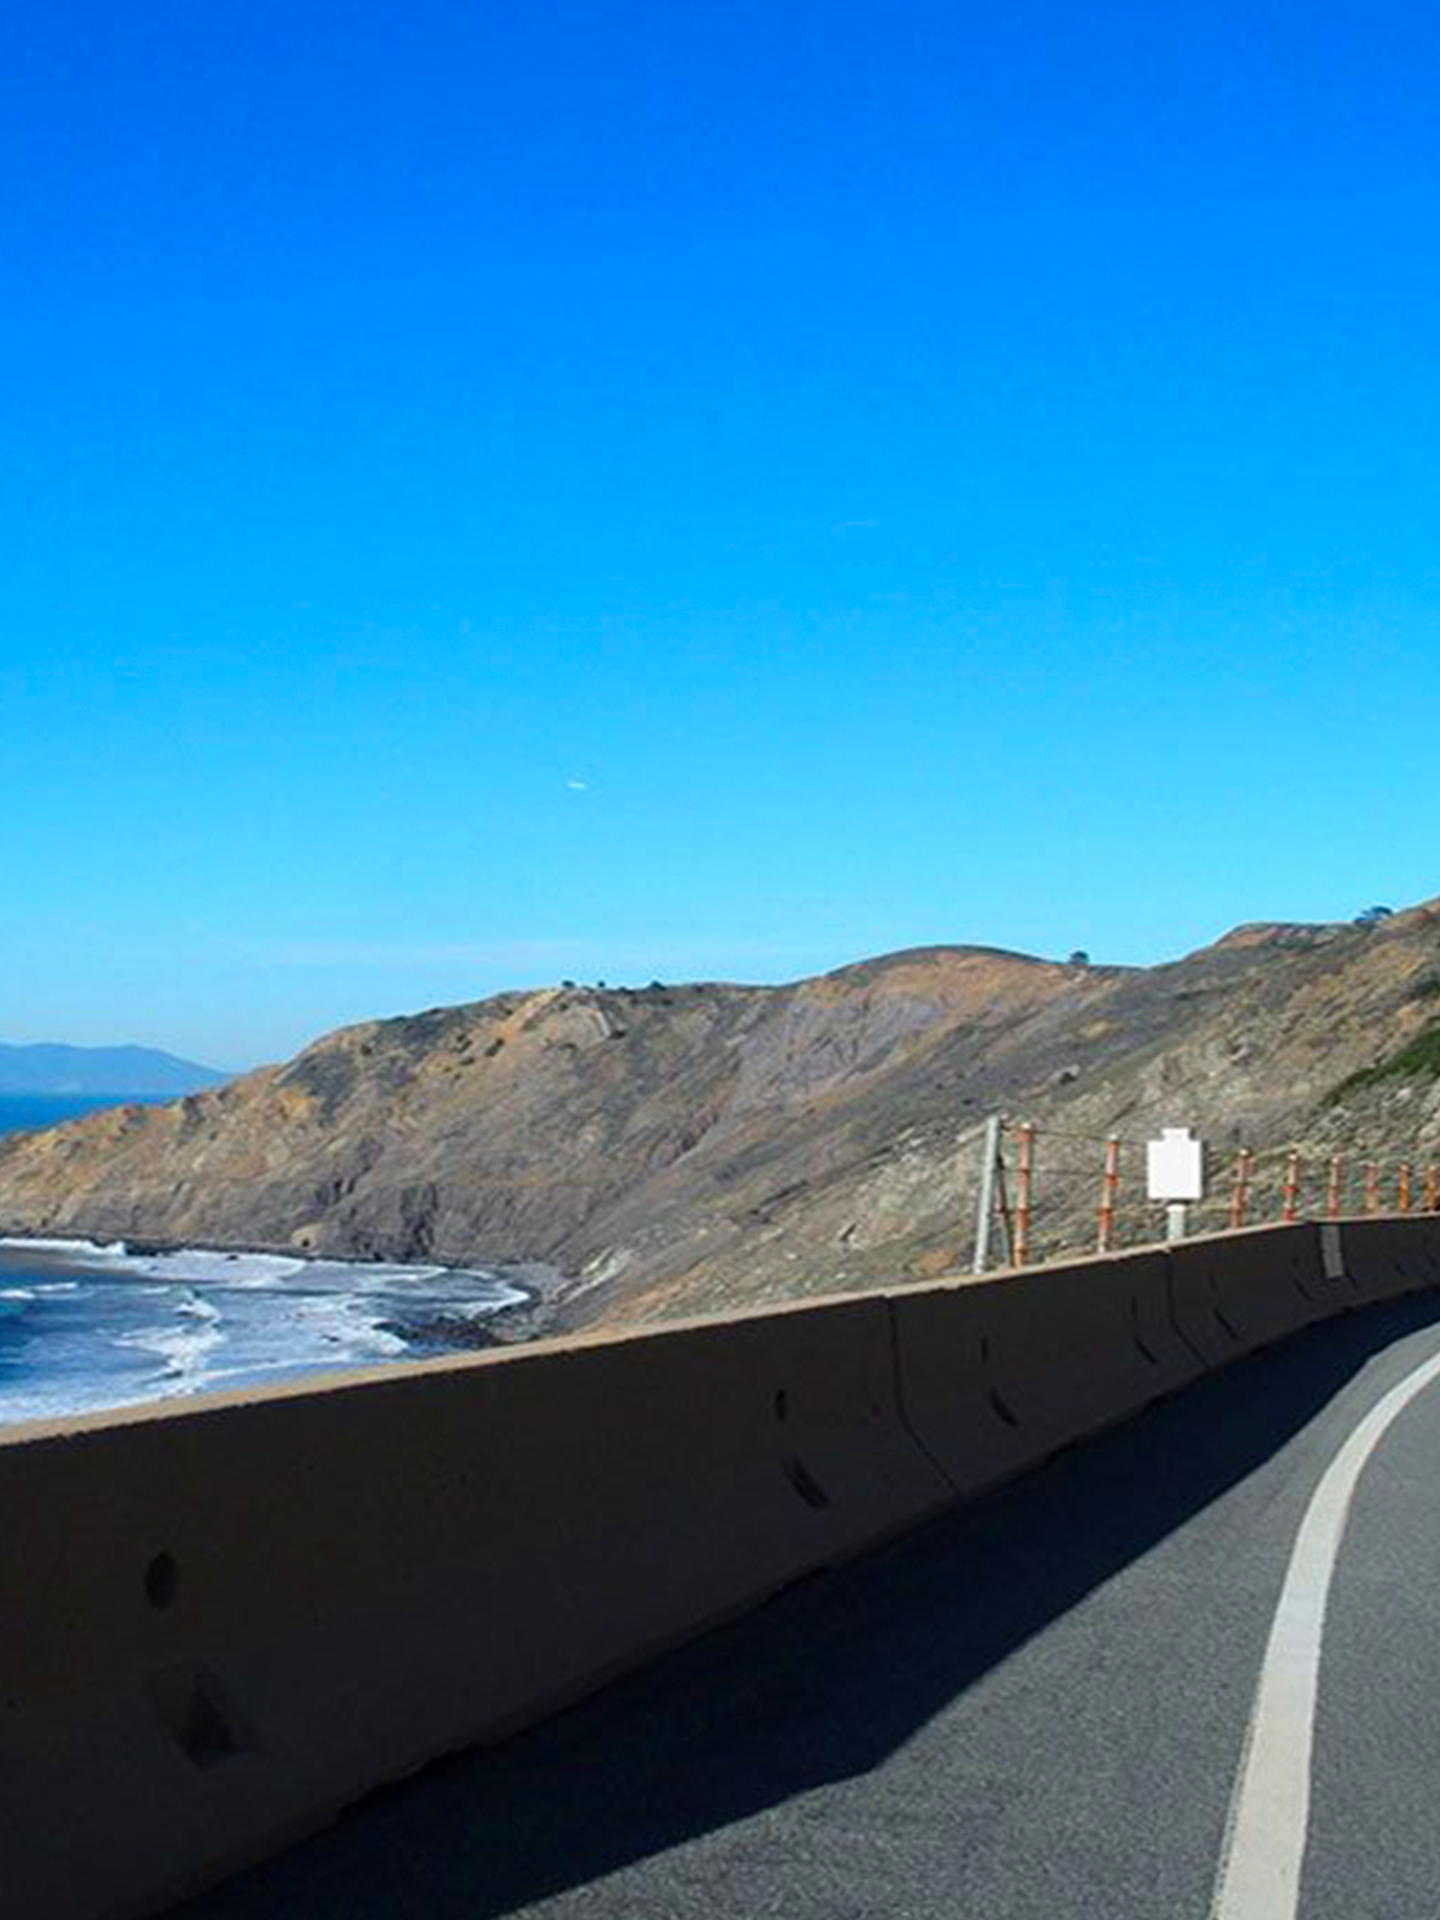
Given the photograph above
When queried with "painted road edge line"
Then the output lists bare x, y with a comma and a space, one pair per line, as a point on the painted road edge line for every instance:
1259, 1875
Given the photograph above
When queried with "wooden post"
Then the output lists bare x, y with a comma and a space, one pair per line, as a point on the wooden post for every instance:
1024, 1193
1290, 1193
1240, 1188
1335, 1189
1372, 1187
1109, 1193
1404, 1186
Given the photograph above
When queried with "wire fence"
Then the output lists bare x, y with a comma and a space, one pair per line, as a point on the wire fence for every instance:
1052, 1193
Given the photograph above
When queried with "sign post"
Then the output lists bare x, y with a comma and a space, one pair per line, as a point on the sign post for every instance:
985, 1211
1175, 1175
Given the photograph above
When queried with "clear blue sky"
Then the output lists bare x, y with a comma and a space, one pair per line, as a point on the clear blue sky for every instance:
501, 492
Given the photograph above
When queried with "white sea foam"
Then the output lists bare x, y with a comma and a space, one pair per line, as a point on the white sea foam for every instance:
36, 1401
206, 1267
189, 1264
348, 1324
184, 1349
117, 1328
79, 1248
222, 1269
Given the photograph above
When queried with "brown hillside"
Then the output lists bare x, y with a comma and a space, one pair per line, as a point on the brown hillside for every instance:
678, 1148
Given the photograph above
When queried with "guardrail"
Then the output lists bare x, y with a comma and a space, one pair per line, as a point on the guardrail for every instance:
222, 1620
1050, 1193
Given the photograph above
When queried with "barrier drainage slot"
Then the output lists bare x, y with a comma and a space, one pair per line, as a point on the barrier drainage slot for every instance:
1144, 1351
193, 1710
162, 1581
1225, 1324
804, 1482
998, 1405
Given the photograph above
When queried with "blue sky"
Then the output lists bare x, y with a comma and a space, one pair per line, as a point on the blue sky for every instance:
496, 493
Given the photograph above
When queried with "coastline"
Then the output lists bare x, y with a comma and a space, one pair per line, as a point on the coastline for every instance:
87, 1323
541, 1286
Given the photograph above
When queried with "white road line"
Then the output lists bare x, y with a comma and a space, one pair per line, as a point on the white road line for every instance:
1265, 1842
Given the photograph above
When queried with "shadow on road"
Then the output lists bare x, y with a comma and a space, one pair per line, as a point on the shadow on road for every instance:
818, 1686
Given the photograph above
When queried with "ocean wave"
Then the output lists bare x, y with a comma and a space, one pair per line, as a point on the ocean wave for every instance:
40, 1399
349, 1325
184, 1351
218, 1269
81, 1249
177, 1264
194, 1264
208, 1267
156, 1326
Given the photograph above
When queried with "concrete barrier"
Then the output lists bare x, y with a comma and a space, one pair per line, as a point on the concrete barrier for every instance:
1236, 1292
998, 1374
1389, 1255
222, 1621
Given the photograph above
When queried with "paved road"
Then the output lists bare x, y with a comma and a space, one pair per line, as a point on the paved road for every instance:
1034, 1709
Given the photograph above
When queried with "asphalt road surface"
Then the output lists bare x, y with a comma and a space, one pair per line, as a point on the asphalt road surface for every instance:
1035, 1708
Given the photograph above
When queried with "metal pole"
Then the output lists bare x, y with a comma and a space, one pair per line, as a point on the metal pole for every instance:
1432, 1188
1024, 1193
986, 1213
1175, 1221
1333, 1191
1404, 1186
1372, 1187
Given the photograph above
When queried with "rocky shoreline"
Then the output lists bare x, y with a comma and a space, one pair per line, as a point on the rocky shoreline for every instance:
448, 1330
536, 1317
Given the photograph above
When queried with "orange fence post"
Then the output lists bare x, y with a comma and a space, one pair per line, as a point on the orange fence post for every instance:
1240, 1188
1432, 1188
1372, 1187
1024, 1194
1335, 1189
1109, 1194
1290, 1193
1404, 1186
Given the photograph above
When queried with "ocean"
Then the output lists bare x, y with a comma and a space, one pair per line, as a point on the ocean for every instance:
86, 1327
22, 1111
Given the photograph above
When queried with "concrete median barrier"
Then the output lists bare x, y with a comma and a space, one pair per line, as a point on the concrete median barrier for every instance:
1236, 1292
1390, 1255
222, 1621
997, 1374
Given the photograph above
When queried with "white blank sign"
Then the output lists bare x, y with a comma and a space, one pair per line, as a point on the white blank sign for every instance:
1175, 1166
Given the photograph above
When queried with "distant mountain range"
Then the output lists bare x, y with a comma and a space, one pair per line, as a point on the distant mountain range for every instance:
58, 1069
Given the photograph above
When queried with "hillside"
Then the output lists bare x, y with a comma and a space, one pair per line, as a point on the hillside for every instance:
52, 1068
686, 1148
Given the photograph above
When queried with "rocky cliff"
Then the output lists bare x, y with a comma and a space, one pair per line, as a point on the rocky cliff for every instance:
686, 1148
